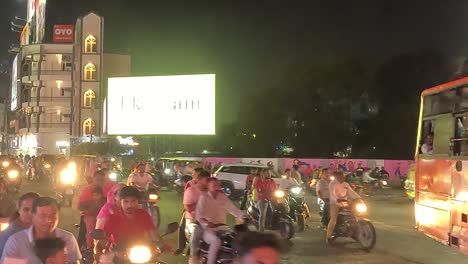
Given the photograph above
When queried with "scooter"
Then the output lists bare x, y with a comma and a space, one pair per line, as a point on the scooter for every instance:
13, 180
351, 223
298, 208
277, 217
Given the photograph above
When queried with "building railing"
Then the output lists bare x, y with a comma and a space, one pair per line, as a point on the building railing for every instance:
51, 99
64, 125
51, 72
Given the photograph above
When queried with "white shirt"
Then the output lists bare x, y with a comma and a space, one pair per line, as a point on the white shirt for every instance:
214, 210
140, 180
426, 149
323, 187
191, 197
20, 246
287, 183
367, 178
341, 191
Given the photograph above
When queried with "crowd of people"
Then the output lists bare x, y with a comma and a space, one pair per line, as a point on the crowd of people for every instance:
33, 236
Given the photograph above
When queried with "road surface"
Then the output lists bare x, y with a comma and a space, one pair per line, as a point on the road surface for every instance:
397, 241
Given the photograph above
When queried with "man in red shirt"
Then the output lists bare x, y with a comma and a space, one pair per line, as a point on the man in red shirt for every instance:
88, 204
264, 186
248, 186
131, 223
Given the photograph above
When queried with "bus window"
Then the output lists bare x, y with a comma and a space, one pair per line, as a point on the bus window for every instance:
425, 146
443, 133
460, 140
441, 103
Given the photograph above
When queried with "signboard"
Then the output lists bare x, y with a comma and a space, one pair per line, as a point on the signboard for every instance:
14, 85
63, 33
167, 105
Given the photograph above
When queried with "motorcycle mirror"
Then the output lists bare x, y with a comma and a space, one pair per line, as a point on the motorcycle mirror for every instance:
172, 227
98, 234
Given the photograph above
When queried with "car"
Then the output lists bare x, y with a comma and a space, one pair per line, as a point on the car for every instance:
233, 176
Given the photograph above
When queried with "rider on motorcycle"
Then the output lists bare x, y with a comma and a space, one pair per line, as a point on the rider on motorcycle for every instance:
264, 188
339, 191
191, 197
131, 223
323, 192
140, 179
248, 186
287, 181
211, 213
366, 178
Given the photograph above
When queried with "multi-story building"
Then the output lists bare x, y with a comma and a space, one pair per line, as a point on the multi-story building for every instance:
58, 89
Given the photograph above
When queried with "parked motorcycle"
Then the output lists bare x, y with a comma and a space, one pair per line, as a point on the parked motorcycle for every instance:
65, 186
277, 217
298, 208
131, 252
351, 223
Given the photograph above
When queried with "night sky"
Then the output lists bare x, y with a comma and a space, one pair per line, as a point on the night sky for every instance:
249, 44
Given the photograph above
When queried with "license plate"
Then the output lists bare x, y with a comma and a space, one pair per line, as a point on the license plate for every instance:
69, 192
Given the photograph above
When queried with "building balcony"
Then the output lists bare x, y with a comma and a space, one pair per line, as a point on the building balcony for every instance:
46, 75
62, 101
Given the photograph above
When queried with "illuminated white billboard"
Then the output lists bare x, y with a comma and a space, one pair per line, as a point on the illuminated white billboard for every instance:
14, 85
161, 105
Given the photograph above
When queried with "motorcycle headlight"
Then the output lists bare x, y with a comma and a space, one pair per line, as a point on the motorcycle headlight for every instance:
279, 194
113, 176
3, 226
47, 166
139, 254
13, 174
296, 190
167, 171
68, 176
71, 165
5, 164
153, 197
332, 178
384, 183
361, 208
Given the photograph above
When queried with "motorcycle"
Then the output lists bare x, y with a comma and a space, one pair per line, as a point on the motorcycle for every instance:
132, 252
351, 223
65, 186
148, 203
277, 217
298, 208
12, 177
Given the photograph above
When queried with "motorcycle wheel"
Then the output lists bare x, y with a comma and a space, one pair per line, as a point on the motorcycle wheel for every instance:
286, 230
300, 222
366, 235
155, 214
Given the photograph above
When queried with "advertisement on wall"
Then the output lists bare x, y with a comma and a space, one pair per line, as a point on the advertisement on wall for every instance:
34, 30
63, 34
167, 105
14, 85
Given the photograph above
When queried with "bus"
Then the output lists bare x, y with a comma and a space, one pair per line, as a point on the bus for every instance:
441, 182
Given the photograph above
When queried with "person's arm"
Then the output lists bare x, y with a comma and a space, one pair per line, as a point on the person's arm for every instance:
352, 194
318, 189
231, 208
333, 197
189, 203
85, 203
11, 249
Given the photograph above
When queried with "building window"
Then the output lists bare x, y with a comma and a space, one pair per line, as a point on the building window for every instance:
88, 127
90, 44
89, 97
90, 72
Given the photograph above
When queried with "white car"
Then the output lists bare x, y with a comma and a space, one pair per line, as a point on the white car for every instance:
233, 176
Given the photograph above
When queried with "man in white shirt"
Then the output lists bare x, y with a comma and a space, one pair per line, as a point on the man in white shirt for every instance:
426, 148
191, 197
20, 246
140, 179
211, 213
287, 181
339, 191
323, 192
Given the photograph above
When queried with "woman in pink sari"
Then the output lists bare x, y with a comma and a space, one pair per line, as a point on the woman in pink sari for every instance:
111, 207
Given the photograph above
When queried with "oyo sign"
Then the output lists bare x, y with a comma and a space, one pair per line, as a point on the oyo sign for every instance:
63, 33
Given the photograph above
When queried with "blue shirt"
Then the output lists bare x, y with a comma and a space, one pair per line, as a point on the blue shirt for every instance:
20, 246
11, 230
